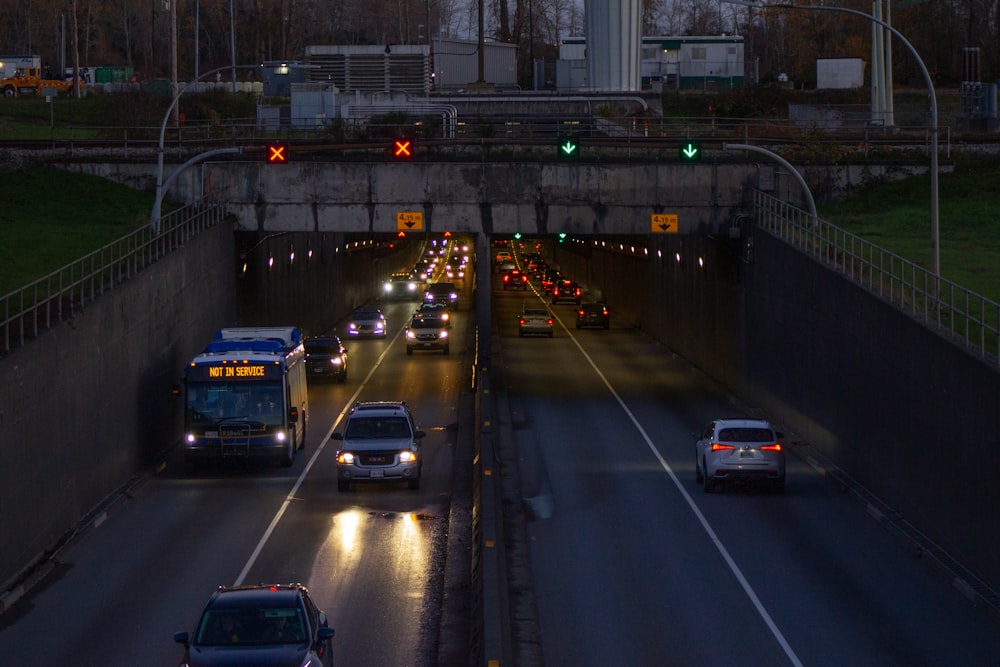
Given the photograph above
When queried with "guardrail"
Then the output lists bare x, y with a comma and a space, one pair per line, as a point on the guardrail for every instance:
960, 315
65, 292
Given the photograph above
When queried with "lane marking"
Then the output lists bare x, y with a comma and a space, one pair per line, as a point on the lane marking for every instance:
312, 461
713, 537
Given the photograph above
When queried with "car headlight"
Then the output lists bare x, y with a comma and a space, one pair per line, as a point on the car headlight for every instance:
443, 334
336, 361
345, 458
410, 334
406, 456
191, 438
352, 326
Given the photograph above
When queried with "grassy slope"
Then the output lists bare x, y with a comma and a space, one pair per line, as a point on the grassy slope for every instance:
896, 216
51, 218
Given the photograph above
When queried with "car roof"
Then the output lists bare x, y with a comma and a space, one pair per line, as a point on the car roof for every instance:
367, 312
379, 408
247, 596
322, 340
743, 423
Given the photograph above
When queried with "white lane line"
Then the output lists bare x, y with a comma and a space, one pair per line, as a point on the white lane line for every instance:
733, 567
305, 471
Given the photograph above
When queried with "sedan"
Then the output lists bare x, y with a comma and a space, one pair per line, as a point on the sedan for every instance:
275, 625
593, 315
367, 322
739, 450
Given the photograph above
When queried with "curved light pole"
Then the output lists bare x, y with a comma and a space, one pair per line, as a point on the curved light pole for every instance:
935, 233
154, 218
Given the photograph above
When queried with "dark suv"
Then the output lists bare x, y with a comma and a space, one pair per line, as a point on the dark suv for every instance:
565, 289
256, 625
326, 358
380, 443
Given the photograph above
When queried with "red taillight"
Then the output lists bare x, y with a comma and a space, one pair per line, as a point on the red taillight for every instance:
550, 321
521, 321
776, 447
717, 446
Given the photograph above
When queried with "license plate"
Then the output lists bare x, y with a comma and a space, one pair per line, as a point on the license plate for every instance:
378, 473
746, 455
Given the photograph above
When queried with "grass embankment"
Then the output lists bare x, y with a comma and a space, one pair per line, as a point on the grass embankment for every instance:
52, 218
896, 216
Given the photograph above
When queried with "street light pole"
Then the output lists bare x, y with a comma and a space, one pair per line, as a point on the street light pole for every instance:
154, 217
935, 228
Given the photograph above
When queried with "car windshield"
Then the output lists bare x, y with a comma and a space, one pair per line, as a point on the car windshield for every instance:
536, 311
745, 435
251, 627
361, 428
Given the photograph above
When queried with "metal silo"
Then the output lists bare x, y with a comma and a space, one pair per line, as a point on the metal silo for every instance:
614, 44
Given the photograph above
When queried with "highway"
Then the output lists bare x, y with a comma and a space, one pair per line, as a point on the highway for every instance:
630, 562
372, 557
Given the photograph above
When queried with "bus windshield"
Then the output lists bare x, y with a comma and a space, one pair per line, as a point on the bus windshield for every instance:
216, 402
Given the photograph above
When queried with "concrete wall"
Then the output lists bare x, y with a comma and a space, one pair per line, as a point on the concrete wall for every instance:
87, 405
902, 410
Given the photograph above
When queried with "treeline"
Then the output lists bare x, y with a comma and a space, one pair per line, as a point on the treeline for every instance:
216, 33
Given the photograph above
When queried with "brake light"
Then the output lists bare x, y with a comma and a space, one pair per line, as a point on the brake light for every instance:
776, 447
717, 446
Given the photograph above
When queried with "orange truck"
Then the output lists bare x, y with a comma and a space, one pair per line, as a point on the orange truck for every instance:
29, 81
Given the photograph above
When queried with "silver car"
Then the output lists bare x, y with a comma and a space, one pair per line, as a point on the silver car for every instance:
380, 443
367, 323
740, 450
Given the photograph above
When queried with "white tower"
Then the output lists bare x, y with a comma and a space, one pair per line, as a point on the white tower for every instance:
614, 44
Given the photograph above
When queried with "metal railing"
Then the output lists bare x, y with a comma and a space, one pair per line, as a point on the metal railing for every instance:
62, 294
958, 314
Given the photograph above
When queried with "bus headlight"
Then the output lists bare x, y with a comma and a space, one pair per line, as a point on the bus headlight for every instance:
279, 436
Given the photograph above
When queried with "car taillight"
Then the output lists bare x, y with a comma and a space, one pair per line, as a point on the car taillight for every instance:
549, 321
776, 447
717, 446
521, 321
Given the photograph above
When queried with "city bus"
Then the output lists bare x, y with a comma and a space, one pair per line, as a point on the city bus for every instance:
245, 397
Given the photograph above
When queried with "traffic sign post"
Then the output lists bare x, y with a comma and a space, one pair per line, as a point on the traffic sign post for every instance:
689, 151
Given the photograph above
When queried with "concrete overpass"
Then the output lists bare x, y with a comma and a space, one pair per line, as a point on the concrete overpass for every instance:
479, 197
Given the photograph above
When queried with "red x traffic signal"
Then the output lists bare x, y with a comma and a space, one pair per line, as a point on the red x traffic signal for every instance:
402, 148
277, 154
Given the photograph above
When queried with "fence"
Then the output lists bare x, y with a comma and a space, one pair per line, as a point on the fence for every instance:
962, 316
61, 294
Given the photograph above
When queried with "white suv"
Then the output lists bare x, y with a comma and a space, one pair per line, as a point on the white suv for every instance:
739, 450
380, 443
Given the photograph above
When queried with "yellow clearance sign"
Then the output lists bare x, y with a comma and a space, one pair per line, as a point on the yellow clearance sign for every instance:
409, 221
661, 223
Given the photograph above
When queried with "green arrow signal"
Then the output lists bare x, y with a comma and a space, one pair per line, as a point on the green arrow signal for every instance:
690, 151
568, 148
